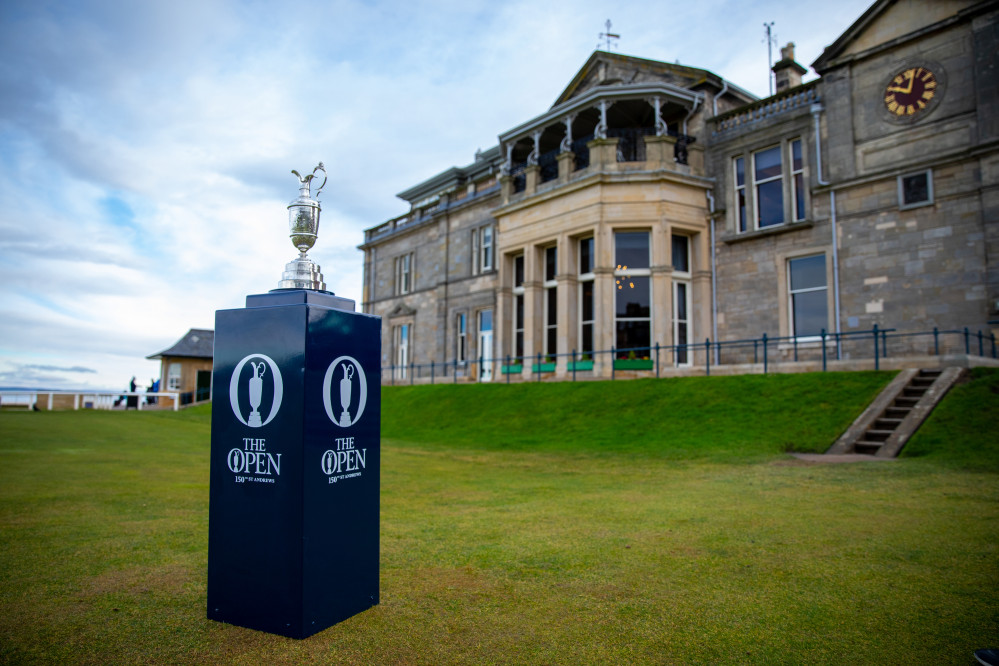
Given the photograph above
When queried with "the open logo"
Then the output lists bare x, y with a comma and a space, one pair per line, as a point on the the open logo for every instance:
347, 373
256, 378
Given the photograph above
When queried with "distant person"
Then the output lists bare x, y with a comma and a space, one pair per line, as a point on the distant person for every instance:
133, 400
150, 400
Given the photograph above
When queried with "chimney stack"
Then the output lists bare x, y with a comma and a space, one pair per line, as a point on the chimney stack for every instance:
786, 71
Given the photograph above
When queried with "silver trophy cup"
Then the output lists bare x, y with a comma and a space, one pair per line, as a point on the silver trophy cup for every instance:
303, 223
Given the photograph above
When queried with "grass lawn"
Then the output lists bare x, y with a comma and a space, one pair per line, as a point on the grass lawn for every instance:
647, 521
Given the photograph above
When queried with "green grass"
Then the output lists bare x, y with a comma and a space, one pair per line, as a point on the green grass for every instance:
633, 522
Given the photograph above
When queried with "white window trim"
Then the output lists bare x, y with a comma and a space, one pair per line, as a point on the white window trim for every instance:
581, 280
518, 292
689, 347
550, 287
404, 273
929, 190
793, 181
461, 338
750, 186
402, 355
171, 384
790, 296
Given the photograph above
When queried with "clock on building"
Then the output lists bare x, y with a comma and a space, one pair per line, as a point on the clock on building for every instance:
910, 92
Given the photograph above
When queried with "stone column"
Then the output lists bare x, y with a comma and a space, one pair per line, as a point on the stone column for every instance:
659, 151
662, 286
566, 165
532, 175
567, 301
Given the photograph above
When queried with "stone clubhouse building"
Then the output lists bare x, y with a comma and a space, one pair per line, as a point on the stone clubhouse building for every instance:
655, 206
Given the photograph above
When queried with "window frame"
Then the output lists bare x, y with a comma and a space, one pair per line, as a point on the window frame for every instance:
550, 286
517, 320
461, 339
793, 180
682, 281
404, 274
621, 271
792, 332
172, 385
586, 279
902, 203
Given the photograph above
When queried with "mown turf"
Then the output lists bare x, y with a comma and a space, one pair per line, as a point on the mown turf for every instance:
500, 545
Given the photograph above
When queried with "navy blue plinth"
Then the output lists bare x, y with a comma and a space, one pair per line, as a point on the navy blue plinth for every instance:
294, 495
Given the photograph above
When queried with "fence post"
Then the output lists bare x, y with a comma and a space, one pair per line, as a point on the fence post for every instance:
573, 364
993, 336
795, 338
412, 375
884, 344
936, 341
613, 354
980, 349
657, 360
756, 351
707, 357
454, 380
877, 360
823, 335
539, 367
967, 343
764, 353
431, 372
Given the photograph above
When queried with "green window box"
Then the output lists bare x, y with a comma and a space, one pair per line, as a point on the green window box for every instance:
580, 365
634, 364
543, 367
512, 369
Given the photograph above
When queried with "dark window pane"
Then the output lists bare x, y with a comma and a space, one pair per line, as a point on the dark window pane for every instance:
551, 262
767, 163
742, 210
631, 249
587, 304
587, 338
681, 302
552, 307
740, 171
518, 271
809, 312
632, 334
796, 155
799, 197
681, 254
586, 255
633, 297
915, 189
486, 320
808, 272
771, 203
520, 310
519, 351
552, 342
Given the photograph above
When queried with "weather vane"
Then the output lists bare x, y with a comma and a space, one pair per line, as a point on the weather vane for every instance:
608, 36
770, 37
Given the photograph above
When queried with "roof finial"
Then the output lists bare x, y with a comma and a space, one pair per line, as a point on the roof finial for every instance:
608, 36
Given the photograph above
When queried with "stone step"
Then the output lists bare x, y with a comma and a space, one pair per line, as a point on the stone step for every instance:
873, 435
863, 446
930, 373
922, 382
887, 423
905, 402
913, 392
897, 413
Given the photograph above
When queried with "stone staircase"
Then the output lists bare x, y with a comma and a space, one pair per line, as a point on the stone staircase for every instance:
888, 423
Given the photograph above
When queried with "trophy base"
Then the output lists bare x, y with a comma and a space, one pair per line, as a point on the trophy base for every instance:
302, 273
254, 420
344, 419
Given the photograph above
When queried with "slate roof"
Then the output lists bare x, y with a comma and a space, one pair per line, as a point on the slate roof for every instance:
196, 343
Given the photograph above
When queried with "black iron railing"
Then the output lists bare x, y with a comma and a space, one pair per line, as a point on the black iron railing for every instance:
875, 345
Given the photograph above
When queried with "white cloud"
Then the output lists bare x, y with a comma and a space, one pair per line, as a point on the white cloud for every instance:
145, 148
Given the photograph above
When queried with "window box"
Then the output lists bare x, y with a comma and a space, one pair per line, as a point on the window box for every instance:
579, 365
543, 367
634, 364
511, 369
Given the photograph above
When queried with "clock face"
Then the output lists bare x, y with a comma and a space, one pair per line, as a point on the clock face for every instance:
910, 91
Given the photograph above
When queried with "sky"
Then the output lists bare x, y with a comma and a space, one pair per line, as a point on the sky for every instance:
146, 146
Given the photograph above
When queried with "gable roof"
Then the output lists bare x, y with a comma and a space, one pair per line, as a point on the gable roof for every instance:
603, 68
887, 22
196, 343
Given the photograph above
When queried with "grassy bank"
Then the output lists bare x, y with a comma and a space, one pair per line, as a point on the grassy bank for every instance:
640, 522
